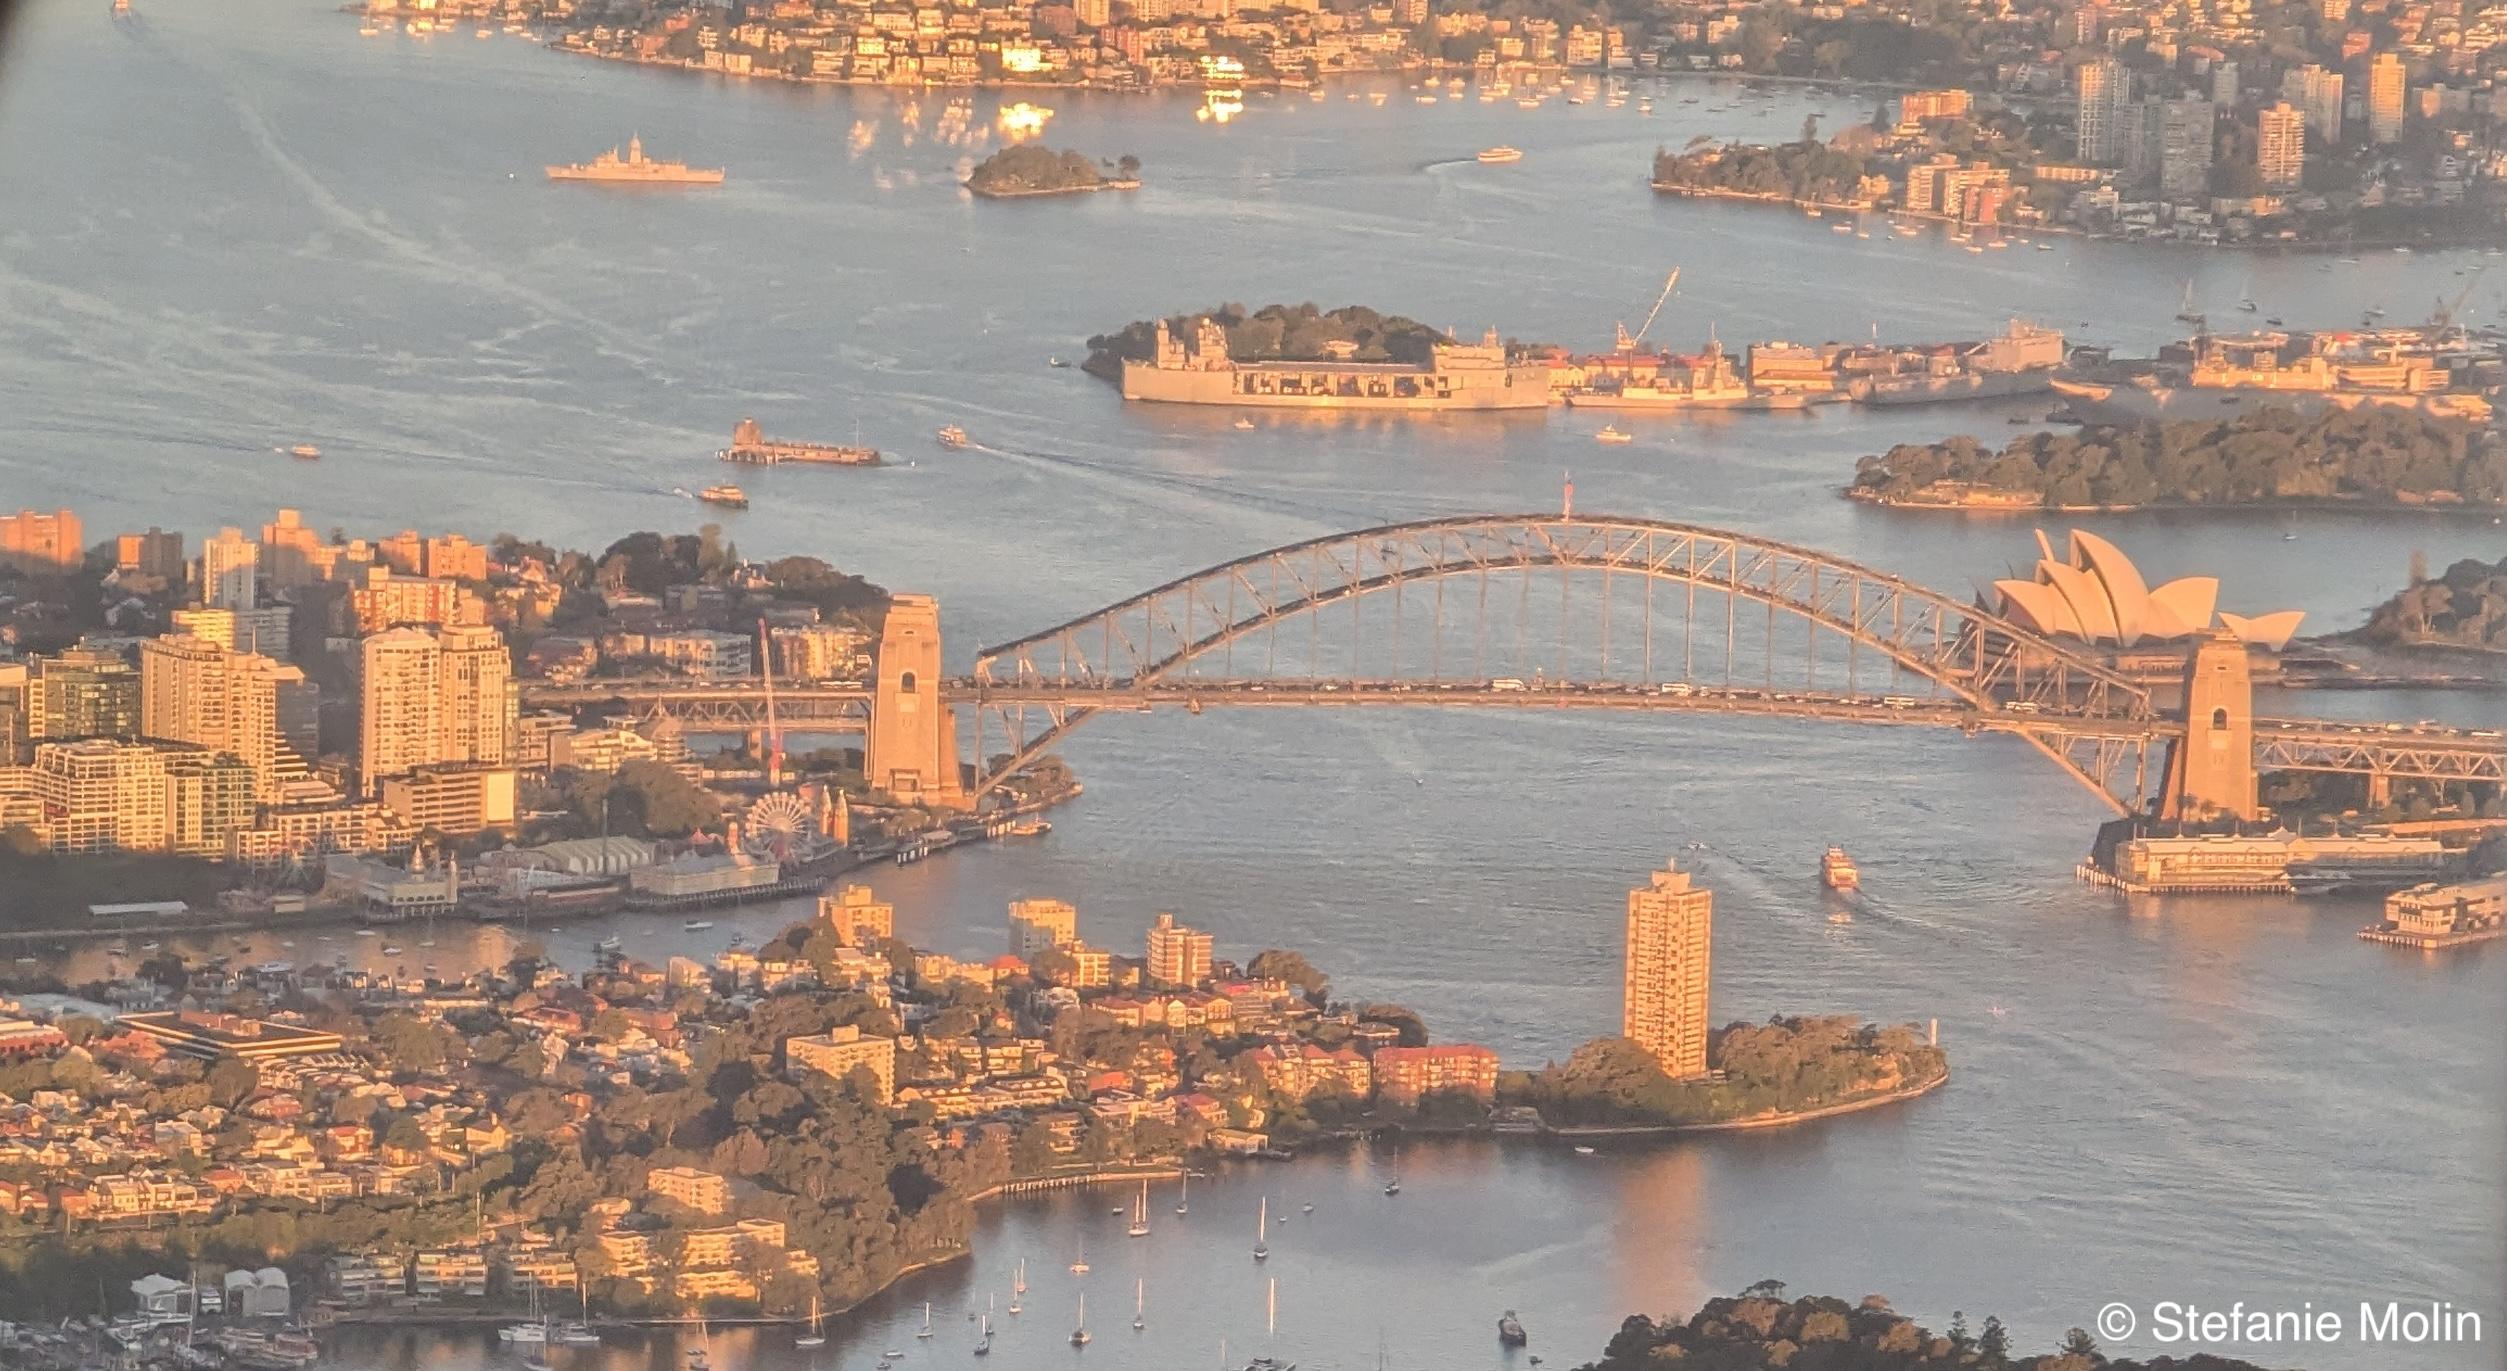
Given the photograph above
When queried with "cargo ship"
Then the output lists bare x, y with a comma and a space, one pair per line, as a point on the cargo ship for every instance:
750, 447
636, 169
1836, 871
1458, 376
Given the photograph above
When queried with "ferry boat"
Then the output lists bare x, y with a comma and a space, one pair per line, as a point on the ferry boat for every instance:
1501, 153
1836, 871
729, 497
306, 451
951, 436
1613, 434
636, 169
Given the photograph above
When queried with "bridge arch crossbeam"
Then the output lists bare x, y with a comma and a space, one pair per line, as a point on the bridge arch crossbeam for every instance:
1181, 624
1165, 636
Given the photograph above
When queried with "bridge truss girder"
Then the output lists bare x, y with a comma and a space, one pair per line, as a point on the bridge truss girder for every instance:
1186, 631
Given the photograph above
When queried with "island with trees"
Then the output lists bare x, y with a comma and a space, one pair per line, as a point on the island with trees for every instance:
2265, 457
2464, 608
1783, 1071
1275, 333
1760, 1330
1029, 169
1804, 172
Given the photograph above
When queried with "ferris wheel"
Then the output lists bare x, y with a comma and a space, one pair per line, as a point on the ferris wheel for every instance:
778, 824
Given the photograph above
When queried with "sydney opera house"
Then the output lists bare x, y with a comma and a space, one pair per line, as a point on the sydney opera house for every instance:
2097, 596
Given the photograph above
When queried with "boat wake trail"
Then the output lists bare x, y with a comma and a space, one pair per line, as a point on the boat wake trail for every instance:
1212, 489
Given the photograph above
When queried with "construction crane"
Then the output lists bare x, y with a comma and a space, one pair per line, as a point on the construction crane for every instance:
1627, 343
2450, 312
774, 730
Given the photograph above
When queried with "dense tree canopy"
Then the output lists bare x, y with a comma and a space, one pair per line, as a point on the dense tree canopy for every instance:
1758, 1330
1033, 168
1784, 1065
1301, 333
2375, 454
2465, 607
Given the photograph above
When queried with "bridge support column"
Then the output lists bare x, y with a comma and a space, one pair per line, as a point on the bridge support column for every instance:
2211, 770
912, 753
2380, 789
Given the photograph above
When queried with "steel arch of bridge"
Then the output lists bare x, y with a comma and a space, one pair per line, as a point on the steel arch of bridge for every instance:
1163, 639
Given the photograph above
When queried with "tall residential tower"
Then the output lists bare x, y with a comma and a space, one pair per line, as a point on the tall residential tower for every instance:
1670, 945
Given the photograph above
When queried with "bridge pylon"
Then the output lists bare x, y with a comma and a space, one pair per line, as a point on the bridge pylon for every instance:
2211, 769
912, 753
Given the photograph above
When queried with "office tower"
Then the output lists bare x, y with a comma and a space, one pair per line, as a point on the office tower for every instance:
100, 795
82, 693
261, 711
2184, 142
2281, 144
476, 682
2106, 90
209, 798
265, 630
1670, 927
16, 734
41, 544
1178, 956
428, 698
290, 552
2385, 97
155, 553
857, 916
2318, 95
1036, 925
230, 571
2224, 85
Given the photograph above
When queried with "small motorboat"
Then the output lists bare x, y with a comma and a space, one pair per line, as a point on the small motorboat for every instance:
1500, 154
1246, 424
1614, 435
1510, 1331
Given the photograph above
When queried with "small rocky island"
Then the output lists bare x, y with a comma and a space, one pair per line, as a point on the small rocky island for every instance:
1786, 1070
1759, 1328
1034, 169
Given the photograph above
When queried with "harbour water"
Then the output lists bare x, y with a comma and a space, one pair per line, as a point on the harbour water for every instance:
229, 229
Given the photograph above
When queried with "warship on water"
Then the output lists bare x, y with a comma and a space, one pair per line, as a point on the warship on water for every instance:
2440, 368
636, 169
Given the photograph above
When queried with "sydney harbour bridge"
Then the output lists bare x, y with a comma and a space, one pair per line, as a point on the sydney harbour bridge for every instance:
1561, 612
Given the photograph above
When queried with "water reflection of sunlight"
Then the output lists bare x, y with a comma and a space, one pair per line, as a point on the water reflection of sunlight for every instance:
1658, 1235
1022, 120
